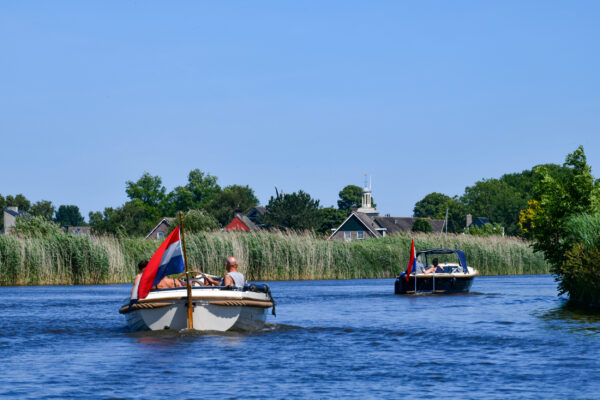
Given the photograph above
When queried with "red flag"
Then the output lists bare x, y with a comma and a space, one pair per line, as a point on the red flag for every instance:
412, 261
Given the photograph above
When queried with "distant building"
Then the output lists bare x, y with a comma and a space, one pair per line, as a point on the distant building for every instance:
365, 222
255, 215
80, 230
161, 229
241, 223
11, 213
477, 222
249, 222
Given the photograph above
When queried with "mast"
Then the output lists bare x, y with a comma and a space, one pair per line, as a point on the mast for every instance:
446, 222
188, 280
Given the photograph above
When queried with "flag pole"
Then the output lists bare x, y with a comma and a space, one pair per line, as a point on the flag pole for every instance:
188, 280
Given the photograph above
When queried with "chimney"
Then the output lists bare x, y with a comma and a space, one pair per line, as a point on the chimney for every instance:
13, 208
469, 220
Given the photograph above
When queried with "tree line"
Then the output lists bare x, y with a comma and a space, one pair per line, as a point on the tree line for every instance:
499, 200
208, 206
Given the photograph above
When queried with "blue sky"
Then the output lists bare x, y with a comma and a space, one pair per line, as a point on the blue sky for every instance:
423, 96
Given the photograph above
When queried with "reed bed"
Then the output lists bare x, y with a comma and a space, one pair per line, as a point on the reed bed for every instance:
69, 259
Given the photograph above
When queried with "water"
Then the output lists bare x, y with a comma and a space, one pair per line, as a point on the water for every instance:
511, 338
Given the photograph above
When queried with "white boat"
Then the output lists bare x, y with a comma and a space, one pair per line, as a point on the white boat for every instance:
215, 308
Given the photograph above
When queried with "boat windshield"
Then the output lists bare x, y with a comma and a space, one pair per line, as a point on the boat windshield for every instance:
447, 261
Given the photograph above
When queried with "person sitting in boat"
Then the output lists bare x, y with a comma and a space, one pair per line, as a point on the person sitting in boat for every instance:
232, 277
420, 267
167, 283
141, 265
435, 268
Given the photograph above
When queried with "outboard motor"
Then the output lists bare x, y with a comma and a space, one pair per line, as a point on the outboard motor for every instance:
398, 284
258, 287
262, 288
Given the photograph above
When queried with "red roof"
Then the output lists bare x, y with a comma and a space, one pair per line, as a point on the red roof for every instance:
237, 225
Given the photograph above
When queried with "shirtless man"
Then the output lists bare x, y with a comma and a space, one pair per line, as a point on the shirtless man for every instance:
232, 277
167, 283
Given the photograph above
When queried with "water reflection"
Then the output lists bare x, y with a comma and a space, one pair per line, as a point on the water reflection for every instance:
572, 319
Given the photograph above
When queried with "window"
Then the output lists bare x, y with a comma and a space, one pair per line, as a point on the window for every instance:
160, 235
347, 236
361, 235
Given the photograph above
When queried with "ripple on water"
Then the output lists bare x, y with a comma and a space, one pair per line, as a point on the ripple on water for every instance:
509, 339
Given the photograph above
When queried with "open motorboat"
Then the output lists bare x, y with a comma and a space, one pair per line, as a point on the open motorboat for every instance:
449, 276
193, 305
215, 308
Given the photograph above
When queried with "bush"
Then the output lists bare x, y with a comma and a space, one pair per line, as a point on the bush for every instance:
485, 230
39, 227
579, 273
422, 225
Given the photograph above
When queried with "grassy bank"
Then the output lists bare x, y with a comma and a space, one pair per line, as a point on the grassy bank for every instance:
68, 259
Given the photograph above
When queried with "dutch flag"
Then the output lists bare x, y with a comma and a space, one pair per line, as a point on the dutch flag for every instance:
167, 260
412, 262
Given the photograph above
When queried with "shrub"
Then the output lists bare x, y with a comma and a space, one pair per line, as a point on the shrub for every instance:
422, 225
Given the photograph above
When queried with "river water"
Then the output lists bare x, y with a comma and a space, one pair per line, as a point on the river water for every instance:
509, 339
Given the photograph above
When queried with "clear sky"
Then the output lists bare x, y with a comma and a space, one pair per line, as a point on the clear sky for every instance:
423, 96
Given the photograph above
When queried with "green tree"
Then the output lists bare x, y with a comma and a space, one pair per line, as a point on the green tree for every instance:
431, 206
195, 221
330, 218
293, 211
434, 205
19, 201
233, 199
350, 196
497, 201
422, 225
69, 215
148, 189
43, 209
485, 230
196, 194
130, 219
555, 201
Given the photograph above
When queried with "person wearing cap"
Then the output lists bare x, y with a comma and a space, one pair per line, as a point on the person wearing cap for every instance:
232, 277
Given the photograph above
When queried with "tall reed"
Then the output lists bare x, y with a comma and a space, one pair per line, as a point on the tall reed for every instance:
69, 259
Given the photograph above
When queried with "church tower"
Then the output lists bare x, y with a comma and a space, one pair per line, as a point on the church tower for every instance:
367, 207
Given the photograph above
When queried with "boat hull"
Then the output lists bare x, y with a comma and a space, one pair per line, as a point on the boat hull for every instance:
426, 283
213, 310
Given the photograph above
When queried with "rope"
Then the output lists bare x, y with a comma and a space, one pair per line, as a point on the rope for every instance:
241, 303
142, 306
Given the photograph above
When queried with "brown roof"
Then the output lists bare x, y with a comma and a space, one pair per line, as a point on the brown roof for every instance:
166, 220
405, 224
251, 225
368, 222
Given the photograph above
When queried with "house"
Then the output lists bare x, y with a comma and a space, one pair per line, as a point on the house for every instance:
241, 223
161, 229
79, 230
478, 222
11, 213
255, 214
365, 223
249, 222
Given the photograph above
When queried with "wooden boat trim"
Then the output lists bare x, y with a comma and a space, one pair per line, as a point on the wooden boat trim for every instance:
142, 306
442, 275
242, 303
175, 298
